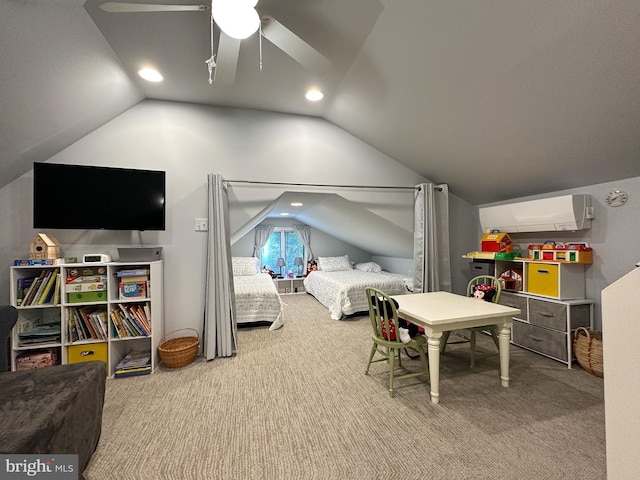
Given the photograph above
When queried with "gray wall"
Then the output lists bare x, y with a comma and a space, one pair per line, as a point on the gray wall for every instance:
613, 236
189, 141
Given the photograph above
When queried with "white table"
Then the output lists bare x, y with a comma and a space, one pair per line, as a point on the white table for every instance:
439, 312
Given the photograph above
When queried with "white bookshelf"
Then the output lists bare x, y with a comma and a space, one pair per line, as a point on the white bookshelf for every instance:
111, 349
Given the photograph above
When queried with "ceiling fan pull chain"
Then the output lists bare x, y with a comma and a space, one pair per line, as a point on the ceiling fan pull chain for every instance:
211, 62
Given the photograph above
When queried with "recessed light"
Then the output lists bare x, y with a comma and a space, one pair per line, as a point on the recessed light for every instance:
284, 214
296, 204
150, 75
314, 95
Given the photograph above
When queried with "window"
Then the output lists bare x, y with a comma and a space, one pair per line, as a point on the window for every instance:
283, 243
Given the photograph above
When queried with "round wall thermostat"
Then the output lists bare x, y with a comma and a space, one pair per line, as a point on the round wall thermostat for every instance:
616, 198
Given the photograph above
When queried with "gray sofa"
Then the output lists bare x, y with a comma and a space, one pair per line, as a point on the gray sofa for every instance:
53, 410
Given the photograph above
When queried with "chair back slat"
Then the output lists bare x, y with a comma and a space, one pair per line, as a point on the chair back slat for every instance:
383, 314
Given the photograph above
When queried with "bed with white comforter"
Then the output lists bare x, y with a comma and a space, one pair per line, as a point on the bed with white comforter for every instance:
343, 291
256, 296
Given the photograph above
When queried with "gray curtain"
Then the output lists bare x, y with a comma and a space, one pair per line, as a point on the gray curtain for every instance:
431, 261
263, 232
304, 234
219, 316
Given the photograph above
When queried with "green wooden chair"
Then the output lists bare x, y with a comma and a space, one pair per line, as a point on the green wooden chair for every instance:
384, 320
479, 280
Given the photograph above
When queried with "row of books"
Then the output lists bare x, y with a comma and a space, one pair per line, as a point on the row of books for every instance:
132, 320
134, 363
39, 290
87, 323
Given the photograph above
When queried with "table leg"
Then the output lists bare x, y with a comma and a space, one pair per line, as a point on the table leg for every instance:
504, 335
434, 365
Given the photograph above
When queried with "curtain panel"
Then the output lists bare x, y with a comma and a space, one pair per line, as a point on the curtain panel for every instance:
220, 330
431, 261
263, 232
304, 234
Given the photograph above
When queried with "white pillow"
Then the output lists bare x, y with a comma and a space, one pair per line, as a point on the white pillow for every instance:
243, 266
334, 264
369, 267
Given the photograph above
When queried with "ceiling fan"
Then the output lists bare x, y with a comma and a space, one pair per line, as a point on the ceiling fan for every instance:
236, 19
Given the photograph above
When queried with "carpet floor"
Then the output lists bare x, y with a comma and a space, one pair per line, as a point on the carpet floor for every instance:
295, 404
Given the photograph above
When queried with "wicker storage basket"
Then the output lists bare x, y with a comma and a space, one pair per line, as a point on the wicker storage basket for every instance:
181, 351
587, 347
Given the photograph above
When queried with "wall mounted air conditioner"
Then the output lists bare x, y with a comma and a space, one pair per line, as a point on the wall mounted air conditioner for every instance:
567, 212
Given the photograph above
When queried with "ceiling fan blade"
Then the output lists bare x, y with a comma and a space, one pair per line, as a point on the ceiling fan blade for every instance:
119, 7
294, 46
226, 59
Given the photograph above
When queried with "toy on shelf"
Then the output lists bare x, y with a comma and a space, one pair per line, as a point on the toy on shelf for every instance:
495, 241
551, 251
512, 279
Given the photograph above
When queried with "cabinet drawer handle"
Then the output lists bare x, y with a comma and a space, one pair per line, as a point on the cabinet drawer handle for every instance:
544, 272
536, 339
545, 314
86, 353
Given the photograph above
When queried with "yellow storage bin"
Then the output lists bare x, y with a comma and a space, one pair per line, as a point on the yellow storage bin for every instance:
542, 279
88, 352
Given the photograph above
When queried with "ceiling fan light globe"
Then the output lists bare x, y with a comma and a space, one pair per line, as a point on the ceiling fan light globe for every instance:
236, 20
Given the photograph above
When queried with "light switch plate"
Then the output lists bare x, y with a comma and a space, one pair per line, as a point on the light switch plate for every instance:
201, 225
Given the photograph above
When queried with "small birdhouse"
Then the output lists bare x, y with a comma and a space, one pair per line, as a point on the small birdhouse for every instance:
44, 246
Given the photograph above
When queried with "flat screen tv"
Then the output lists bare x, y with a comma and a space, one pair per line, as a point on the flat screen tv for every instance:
97, 198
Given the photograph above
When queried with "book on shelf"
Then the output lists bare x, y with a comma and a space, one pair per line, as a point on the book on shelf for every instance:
85, 318
29, 292
132, 372
135, 359
92, 322
22, 289
56, 292
118, 327
47, 291
41, 287
33, 289
139, 312
73, 334
128, 324
136, 362
136, 325
76, 325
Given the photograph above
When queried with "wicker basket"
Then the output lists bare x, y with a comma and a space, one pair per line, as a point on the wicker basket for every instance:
587, 347
179, 352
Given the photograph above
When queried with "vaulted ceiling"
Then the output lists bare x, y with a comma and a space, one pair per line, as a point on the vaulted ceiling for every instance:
498, 99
